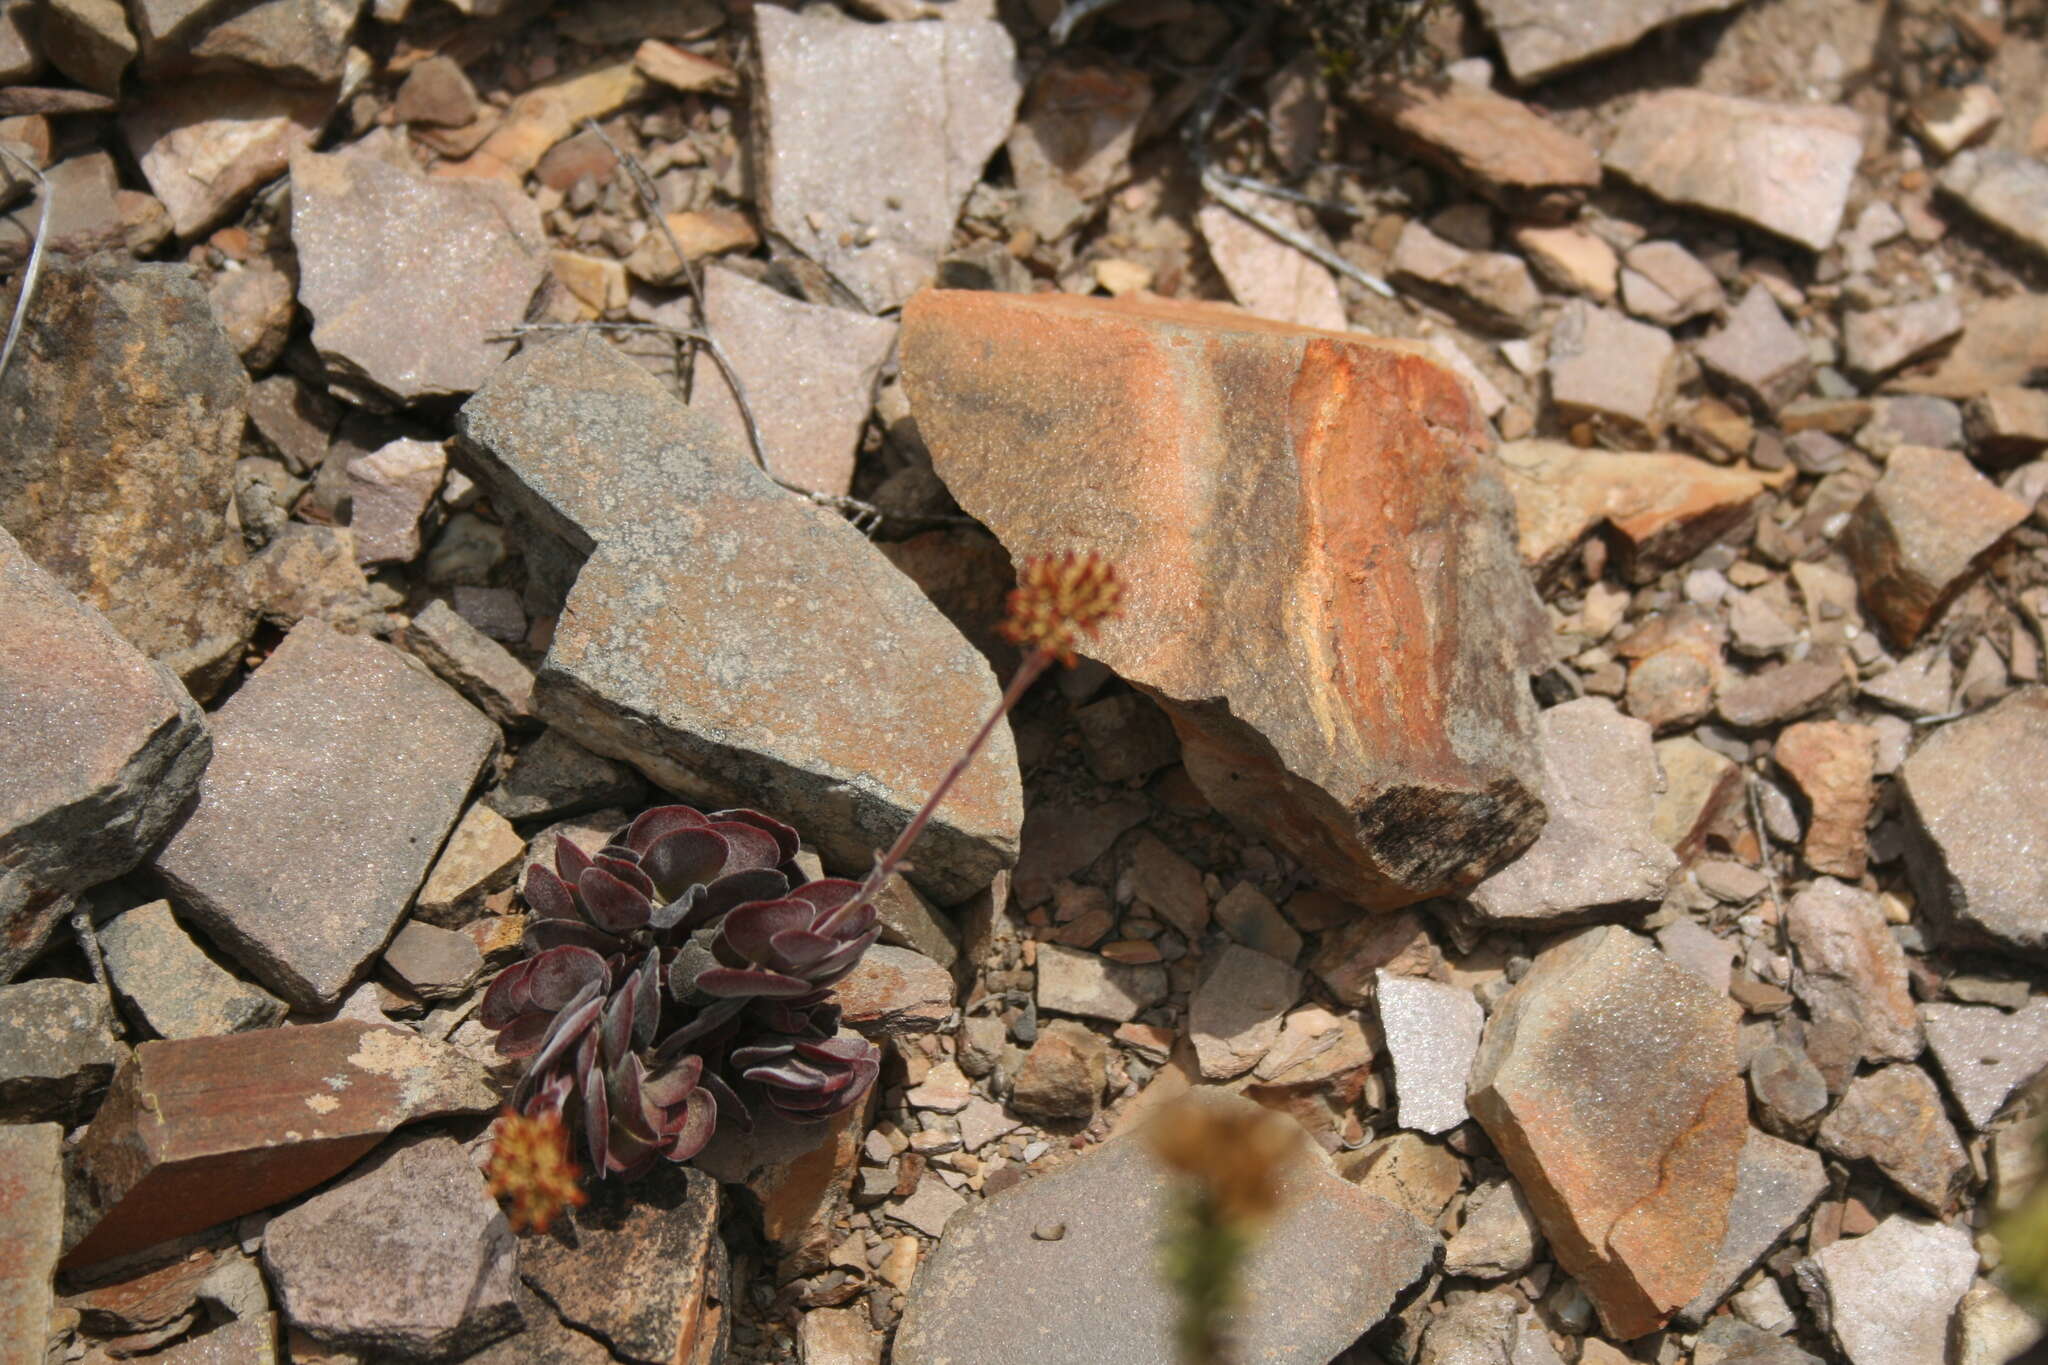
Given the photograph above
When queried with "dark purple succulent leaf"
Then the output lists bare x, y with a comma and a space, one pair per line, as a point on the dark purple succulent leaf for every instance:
570, 1027
685, 858
559, 975
507, 997
522, 1037
627, 871
667, 917
798, 950
758, 1054
706, 1023
836, 1049
698, 1121
548, 896
570, 860
692, 959
750, 848
597, 1120
611, 904
815, 1015
615, 1029
750, 929
731, 1108
730, 982
826, 893
647, 1000
833, 968
734, 889
671, 1085
550, 1096
652, 824
788, 1073
543, 934
786, 841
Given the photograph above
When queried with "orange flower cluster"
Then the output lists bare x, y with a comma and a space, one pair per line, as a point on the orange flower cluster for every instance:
1059, 598
530, 1165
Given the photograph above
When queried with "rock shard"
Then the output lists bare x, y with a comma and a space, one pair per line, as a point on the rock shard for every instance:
737, 645
1354, 685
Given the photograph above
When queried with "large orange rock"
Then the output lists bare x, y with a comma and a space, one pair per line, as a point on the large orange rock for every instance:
1322, 582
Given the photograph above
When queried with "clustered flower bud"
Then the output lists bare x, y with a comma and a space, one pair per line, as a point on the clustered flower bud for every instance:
530, 1166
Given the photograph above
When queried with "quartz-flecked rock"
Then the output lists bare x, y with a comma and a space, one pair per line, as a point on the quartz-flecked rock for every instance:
1501, 147
1890, 1294
172, 985
993, 1292
1776, 1182
1432, 1032
1607, 1080
1540, 38
31, 1230
641, 1266
1395, 768
57, 1047
738, 646
1852, 978
100, 750
1785, 168
1920, 536
206, 144
1600, 853
871, 135
201, 1130
1986, 1054
123, 406
389, 491
409, 1258
458, 259
1977, 817
338, 770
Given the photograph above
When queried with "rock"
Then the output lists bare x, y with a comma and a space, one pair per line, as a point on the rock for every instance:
1072, 142
1490, 290
20, 59
1234, 1014
1835, 766
1540, 38
1852, 978
1349, 959
640, 1267
1126, 736
1611, 371
1480, 1329
894, 992
246, 1341
1976, 797
1074, 982
1893, 1118
1782, 692
838, 1336
57, 1048
377, 760
2003, 343
1663, 283
1918, 685
101, 751
1571, 259
1949, 120
555, 776
1986, 1054
1599, 854
1790, 1090
1699, 785
1501, 147
89, 41
994, 1292
1877, 341
1890, 1294
1704, 953
1922, 534
1633, 1198
172, 985
2007, 426
1498, 1238
1775, 1184
31, 1228
871, 136
409, 1258
255, 306
472, 663
2006, 188
1990, 1329
1432, 1032
284, 1109
779, 708
994, 381
459, 259
124, 410
1785, 168
207, 144
1268, 277
83, 202
390, 491
680, 69
809, 373
909, 921
310, 573
432, 963
1731, 1341
1063, 1074
1758, 354
1170, 886
1247, 916
1061, 839
436, 93
481, 856
1659, 509
1410, 1172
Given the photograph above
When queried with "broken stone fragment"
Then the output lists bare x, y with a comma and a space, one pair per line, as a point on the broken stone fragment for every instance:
1785, 168
1835, 765
1776, 1183
100, 751
1877, 341
1663, 283
1266, 276
992, 1291
1922, 534
1633, 1197
1491, 290
1074, 982
1072, 142
431, 962
1063, 1074
1540, 38
554, 776
1889, 1295
1432, 1032
1499, 1236
172, 985
120, 459
628, 501
1234, 1014
1599, 854
207, 144
1986, 1055
338, 771
1977, 810
1758, 353
31, 1228
1611, 371
2006, 188
310, 572
545, 115
409, 1258
390, 491
1893, 1118
1349, 765
1853, 980
202, 1130
1501, 147
57, 1048
472, 663
894, 992
481, 856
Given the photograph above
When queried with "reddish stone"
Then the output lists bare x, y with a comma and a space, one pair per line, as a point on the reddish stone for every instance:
1501, 147
1835, 765
200, 1130
1321, 581
1922, 534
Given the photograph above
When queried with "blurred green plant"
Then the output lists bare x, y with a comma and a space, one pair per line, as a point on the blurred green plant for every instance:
1366, 39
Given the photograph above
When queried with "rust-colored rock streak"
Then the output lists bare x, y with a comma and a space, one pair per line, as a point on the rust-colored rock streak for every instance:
1323, 587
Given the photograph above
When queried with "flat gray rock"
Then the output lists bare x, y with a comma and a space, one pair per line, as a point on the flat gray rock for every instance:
1758, 353
992, 1294
2005, 188
458, 259
123, 407
1600, 853
1890, 1293
100, 749
408, 1258
1072, 981
736, 644
1985, 1054
871, 136
555, 777
31, 1227
472, 663
1852, 978
1776, 1183
1540, 38
57, 1046
1499, 1236
1894, 1118
338, 771
171, 983
1432, 1033
1234, 1014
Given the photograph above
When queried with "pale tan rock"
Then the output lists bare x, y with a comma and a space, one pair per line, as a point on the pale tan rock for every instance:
1540, 38
1852, 977
1501, 147
1835, 765
1268, 277
1572, 259
481, 856
1922, 534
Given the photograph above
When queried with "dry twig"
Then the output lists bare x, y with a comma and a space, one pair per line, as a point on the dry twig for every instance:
35, 260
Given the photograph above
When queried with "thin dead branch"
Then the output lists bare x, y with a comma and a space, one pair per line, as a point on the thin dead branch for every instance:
35, 259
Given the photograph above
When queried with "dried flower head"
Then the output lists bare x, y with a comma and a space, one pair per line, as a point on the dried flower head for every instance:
1059, 598
530, 1165
1237, 1156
